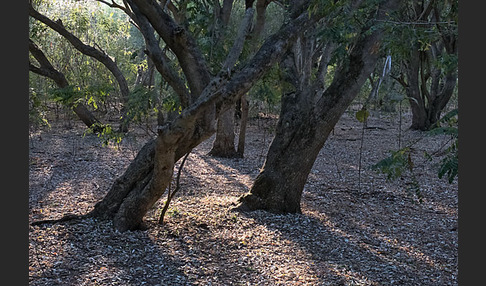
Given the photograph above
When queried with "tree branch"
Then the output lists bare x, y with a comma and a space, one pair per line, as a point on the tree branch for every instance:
159, 58
237, 47
46, 69
85, 49
179, 41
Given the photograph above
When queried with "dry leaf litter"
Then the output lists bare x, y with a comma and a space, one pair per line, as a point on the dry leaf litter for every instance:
354, 229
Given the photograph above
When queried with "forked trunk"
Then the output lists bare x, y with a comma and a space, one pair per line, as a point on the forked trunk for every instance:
149, 174
304, 126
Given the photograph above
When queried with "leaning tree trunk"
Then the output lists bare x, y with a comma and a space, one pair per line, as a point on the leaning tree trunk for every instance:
298, 140
303, 128
149, 174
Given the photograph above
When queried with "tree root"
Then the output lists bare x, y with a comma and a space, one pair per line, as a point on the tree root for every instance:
65, 218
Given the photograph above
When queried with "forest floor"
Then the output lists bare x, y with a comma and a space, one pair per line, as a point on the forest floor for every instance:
354, 229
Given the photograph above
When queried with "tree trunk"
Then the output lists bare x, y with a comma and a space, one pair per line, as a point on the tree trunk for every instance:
240, 150
304, 127
149, 174
224, 143
278, 188
432, 73
427, 103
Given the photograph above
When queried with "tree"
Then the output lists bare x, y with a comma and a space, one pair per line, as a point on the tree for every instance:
310, 111
224, 143
147, 177
46, 69
91, 51
429, 59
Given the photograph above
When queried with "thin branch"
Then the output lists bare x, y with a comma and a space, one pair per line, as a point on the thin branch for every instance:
84, 48
237, 48
416, 23
170, 195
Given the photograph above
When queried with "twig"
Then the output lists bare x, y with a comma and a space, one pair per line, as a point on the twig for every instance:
170, 195
399, 124
360, 154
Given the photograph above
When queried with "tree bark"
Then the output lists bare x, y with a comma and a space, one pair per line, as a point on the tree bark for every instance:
240, 150
224, 143
145, 180
278, 187
303, 127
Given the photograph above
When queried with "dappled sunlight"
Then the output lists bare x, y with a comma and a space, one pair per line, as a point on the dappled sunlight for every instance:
374, 235
392, 248
205, 171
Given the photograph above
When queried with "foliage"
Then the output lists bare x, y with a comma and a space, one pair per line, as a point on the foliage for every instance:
142, 103
69, 95
93, 95
395, 164
105, 133
37, 110
450, 164
362, 115
104, 28
400, 161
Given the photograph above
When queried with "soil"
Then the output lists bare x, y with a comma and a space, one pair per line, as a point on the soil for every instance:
356, 227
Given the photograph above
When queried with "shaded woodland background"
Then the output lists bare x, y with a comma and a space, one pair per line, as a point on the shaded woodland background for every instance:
109, 90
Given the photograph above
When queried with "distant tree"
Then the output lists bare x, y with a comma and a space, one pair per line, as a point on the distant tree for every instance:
428, 60
46, 69
91, 51
224, 142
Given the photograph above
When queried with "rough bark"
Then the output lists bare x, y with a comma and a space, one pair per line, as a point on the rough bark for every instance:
178, 40
136, 190
278, 187
224, 143
303, 128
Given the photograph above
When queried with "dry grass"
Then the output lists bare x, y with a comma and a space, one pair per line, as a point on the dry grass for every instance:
376, 233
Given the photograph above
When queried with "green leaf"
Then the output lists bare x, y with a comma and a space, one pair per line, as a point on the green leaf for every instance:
394, 165
362, 115
450, 167
453, 131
